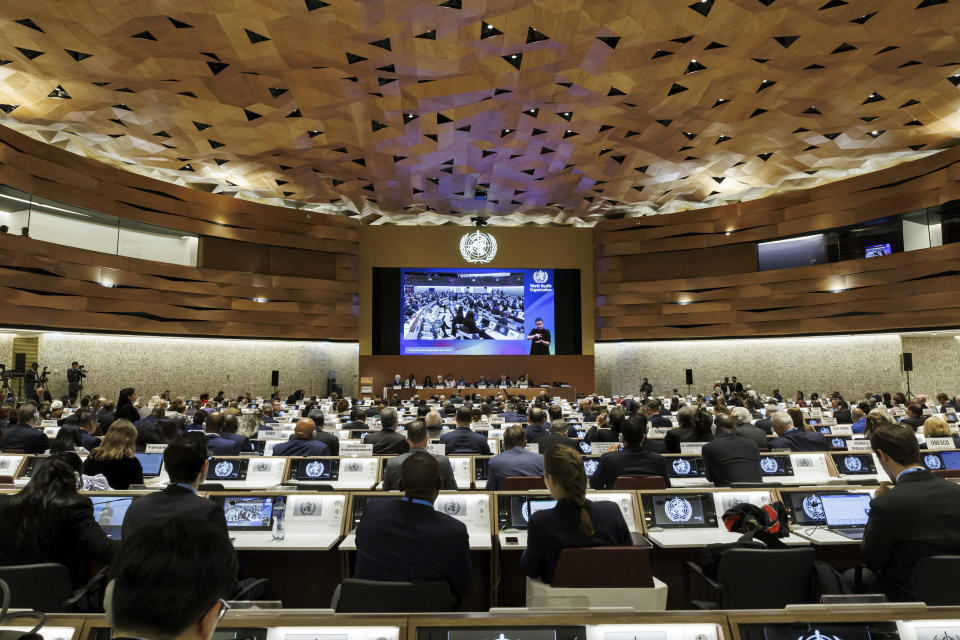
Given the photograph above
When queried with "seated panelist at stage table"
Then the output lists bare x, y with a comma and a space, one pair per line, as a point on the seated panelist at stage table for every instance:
185, 461
916, 517
574, 521
406, 539
792, 438
216, 443
115, 459
387, 441
302, 443
47, 521
417, 438
25, 434
633, 461
463, 439
514, 461
729, 457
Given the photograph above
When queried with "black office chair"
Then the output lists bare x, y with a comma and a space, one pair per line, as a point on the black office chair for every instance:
46, 587
737, 587
354, 595
646, 483
931, 582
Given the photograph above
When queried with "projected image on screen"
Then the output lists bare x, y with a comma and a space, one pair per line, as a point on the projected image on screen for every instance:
477, 311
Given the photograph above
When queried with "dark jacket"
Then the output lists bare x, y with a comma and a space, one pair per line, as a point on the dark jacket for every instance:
512, 463
301, 447
754, 434
217, 445
683, 434
601, 435
73, 538
917, 518
633, 462
88, 441
729, 458
553, 530
23, 436
913, 423
659, 422
764, 424
391, 471
174, 501
797, 440
120, 473
127, 412
329, 439
243, 441
464, 440
534, 431
387, 442
843, 416
403, 540
545, 442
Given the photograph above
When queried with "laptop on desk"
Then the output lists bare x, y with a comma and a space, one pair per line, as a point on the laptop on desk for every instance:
846, 513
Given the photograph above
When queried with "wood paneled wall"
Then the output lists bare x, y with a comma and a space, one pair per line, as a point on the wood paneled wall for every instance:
306, 268
637, 300
53, 286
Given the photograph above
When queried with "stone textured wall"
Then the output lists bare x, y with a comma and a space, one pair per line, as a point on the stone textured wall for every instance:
850, 364
936, 364
190, 366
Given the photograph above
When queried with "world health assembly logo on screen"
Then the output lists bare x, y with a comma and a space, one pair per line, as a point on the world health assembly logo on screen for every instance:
478, 246
540, 276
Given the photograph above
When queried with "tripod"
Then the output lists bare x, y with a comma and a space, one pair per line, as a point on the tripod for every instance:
909, 395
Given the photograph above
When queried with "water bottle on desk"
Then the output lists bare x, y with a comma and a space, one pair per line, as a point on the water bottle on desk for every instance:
279, 517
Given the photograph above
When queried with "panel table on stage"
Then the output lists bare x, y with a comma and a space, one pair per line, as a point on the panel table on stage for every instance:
566, 393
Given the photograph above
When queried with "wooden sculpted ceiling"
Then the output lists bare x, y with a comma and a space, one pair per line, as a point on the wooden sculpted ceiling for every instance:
528, 111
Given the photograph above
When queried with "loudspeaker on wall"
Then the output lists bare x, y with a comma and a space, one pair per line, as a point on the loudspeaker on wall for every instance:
274, 378
689, 376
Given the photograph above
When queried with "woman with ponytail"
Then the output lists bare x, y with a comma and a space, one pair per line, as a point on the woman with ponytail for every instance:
574, 521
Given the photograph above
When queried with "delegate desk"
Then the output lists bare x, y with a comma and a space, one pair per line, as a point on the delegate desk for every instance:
311, 521
847, 622
462, 466
806, 515
279, 624
246, 473
566, 393
687, 470
472, 509
337, 473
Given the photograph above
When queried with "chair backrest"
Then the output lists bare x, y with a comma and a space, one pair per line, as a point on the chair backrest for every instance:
947, 473
378, 596
766, 578
6, 479
930, 582
17, 451
42, 587
211, 486
603, 567
630, 483
523, 483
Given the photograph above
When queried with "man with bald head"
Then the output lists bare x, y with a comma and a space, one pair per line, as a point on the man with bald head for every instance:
216, 443
792, 438
302, 443
406, 539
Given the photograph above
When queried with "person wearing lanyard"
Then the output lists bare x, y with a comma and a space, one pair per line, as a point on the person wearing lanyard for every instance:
185, 461
917, 517
406, 539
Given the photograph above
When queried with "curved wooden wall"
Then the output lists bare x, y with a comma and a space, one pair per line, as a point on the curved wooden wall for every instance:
902, 291
53, 286
50, 172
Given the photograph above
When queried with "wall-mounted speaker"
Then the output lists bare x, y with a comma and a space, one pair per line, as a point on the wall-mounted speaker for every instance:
20, 362
689, 376
275, 378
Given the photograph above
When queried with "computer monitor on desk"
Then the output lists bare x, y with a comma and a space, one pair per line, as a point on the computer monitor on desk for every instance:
227, 469
940, 460
514, 510
247, 473
152, 463
846, 514
678, 510
283, 521
339, 473
685, 470
859, 467
795, 468
109, 512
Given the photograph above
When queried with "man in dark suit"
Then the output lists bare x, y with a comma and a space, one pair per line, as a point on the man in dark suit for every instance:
302, 442
105, 416
387, 441
75, 376
374, 409
463, 439
87, 425
741, 418
764, 423
514, 461
327, 438
407, 539
789, 437
950, 404
358, 420
916, 517
535, 424
229, 431
557, 436
914, 418
217, 444
632, 461
31, 378
654, 418
25, 435
185, 461
729, 458
417, 438
842, 412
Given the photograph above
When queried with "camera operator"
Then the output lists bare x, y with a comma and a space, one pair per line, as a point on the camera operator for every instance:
75, 376
30, 381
